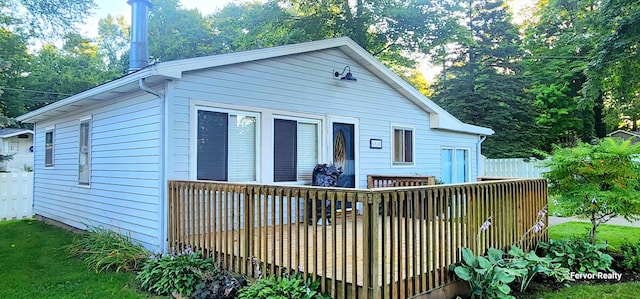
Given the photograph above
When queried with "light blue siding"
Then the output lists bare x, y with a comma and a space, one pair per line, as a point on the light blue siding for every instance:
304, 83
124, 192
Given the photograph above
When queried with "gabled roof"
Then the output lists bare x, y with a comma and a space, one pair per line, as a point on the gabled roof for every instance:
629, 133
10, 132
156, 73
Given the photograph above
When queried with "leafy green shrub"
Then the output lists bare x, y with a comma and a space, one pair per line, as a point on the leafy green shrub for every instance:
597, 182
170, 274
487, 276
529, 264
630, 256
578, 255
103, 249
283, 287
219, 285
490, 276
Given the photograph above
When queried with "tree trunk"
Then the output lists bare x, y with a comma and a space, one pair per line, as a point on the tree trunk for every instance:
592, 233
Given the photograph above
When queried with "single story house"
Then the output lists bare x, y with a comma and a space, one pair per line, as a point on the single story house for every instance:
18, 143
634, 136
104, 156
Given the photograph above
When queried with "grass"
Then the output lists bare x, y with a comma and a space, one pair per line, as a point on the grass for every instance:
613, 235
35, 264
598, 291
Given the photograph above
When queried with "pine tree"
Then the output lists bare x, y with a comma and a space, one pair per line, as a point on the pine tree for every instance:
483, 85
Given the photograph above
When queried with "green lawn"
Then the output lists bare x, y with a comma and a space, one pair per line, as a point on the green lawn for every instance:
34, 264
614, 235
597, 291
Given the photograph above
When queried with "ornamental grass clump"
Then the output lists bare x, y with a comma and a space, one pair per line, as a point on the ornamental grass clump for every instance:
104, 249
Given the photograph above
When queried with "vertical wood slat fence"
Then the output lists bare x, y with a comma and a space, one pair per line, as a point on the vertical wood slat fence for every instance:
385, 181
401, 245
16, 195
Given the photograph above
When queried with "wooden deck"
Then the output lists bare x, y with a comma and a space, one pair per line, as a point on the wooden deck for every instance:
286, 249
399, 244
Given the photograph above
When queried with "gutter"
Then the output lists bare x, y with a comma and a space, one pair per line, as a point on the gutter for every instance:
162, 170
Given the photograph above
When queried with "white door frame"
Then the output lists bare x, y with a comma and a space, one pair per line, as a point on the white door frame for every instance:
356, 141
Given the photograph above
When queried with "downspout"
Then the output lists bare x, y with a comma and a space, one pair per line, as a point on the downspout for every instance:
479, 155
163, 175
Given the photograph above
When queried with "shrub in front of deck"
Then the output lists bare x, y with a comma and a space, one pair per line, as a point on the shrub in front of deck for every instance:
283, 287
578, 255
219, 284
177, 274
104, 249
596, 182
490, 276
630, 256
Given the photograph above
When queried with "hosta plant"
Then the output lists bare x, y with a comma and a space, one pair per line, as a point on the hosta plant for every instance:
174, 274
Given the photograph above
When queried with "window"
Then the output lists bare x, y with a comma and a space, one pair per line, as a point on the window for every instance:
226, 146
455, 165
295, 149
84, 153
48, 148
402, 146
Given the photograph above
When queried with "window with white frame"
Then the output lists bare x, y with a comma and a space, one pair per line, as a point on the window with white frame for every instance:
226, 145
84, 153
455, 165
48, 147
402, 146
295, 149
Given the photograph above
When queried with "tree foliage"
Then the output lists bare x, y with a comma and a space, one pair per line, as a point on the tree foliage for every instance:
484, 83
597, 182
560, 41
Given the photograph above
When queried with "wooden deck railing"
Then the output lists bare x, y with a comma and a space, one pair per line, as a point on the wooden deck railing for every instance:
401, 244
385, 181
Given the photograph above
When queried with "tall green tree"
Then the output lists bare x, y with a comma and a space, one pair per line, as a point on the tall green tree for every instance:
560, 42
484, 83
614, 71
390, 30
54, 74
113, 41
44, 18
13, 61
252, 25
176, 32
22, 22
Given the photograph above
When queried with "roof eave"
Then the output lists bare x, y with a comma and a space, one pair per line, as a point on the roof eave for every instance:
17, 133
39, 114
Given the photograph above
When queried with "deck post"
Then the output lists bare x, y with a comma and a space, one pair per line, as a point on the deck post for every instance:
373, 202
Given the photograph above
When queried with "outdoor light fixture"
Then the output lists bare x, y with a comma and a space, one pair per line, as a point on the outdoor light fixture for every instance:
348, 76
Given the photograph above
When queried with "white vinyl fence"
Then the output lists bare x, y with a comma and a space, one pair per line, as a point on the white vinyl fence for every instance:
513, 168
16, 195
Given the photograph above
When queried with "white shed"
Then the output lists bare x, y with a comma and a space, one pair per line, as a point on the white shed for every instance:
19, 144
104, 156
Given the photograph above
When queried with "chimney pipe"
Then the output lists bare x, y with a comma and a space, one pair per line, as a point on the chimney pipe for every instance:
139, 51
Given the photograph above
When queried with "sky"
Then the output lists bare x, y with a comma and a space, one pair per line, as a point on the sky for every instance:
121, 8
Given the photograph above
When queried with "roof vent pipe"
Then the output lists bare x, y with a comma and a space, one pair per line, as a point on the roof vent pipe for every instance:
139, 51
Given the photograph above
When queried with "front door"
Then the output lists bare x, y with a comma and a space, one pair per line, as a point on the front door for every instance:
344, 153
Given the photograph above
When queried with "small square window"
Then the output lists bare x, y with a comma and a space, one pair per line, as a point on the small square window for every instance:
403, 146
